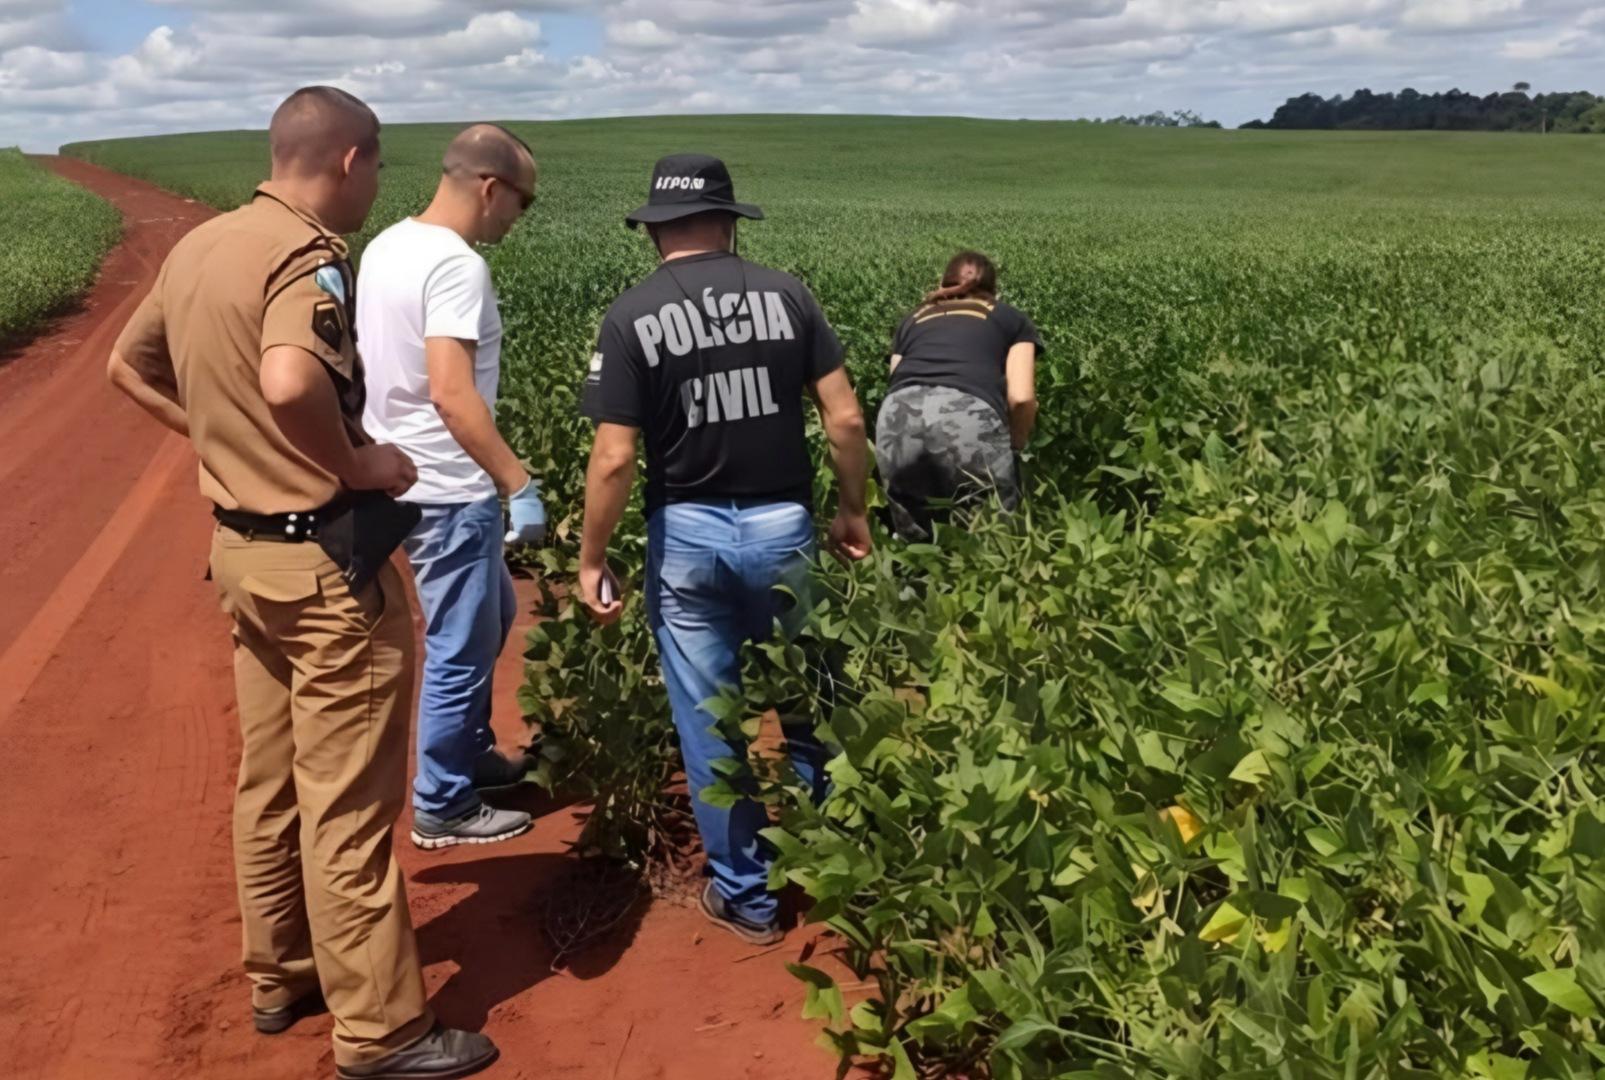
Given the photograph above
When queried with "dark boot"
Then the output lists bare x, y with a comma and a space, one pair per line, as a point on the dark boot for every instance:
444, 1054
277, 1021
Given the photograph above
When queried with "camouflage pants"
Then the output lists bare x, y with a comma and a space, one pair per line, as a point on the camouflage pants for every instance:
934, 442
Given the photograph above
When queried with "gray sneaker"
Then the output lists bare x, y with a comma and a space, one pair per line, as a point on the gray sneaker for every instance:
444, 1054
718, 912
481, 825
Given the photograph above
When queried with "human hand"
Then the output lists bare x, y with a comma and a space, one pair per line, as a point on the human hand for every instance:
380, 467
528, 515
848, 538
601, 594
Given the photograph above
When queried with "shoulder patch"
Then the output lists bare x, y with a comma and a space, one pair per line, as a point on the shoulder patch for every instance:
326, 324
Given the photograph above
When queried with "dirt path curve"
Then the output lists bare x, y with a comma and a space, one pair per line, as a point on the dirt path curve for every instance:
118, 742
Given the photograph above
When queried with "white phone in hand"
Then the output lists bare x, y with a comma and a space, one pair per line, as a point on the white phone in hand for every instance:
607, 590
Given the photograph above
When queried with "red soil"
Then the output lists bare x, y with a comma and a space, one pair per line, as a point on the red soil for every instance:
118, 926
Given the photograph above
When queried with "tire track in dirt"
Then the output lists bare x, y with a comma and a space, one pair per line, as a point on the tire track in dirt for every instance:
120, 936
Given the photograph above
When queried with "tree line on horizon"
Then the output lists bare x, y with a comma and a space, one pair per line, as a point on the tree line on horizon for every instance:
1575, 112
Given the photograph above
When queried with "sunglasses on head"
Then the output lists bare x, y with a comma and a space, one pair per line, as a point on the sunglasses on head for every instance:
526, 199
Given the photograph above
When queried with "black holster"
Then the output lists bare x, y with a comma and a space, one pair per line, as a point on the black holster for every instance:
358, 531
361, 529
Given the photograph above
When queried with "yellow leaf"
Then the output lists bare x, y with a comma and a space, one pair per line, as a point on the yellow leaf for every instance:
1224, 925
1147, 895
1551, 689
1274, 941
1186, 821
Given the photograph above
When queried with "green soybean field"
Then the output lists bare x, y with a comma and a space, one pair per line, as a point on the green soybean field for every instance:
1266, 739
56, 233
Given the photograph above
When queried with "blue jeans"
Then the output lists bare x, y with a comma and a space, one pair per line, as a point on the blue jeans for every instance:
712, 568
467, 597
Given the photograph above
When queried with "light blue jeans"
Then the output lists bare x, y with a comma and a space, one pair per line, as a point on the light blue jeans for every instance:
712, 568
467, 597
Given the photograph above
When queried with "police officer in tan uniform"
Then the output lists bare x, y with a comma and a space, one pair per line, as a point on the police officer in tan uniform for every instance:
245, 345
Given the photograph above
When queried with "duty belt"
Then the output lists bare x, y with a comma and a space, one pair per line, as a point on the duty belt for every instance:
358, 531
294, 528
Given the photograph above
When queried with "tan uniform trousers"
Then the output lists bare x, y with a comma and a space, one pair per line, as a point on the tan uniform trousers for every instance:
325, 682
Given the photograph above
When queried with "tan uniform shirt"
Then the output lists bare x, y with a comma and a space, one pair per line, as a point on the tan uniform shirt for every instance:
266, 274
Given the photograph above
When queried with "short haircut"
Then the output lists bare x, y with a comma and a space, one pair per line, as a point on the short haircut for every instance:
485, 150
702, 219
316, 125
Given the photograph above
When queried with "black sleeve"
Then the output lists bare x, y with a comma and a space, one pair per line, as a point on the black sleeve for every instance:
615, 385
1024, 330
825, 350
900, 338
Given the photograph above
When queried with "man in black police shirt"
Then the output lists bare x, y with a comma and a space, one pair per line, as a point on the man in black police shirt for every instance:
710, 357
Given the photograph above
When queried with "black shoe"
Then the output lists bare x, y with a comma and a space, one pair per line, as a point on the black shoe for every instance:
444, 1054
280, 1020
718, 912
493, 769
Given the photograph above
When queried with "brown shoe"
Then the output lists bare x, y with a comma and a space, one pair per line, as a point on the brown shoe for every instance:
444, 1054
717, 909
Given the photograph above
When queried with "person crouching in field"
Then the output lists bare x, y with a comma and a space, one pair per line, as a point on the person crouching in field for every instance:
710, 359
961, 400
432, 338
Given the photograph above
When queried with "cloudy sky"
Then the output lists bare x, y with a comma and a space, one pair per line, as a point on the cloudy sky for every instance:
72, 69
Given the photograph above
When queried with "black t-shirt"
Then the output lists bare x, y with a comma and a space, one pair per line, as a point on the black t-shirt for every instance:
710, 357
961, 344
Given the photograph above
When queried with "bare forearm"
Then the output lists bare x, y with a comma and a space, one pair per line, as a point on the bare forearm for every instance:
470, 422
849, 457
607, 492
1022, 419
1020, 374
160, 402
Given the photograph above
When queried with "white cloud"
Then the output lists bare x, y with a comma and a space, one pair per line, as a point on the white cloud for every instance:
486, 39
372, 18
1568, 43
41, 23
1350, 40
43, 69
640, 34
227, 63
1459, 14
893, 22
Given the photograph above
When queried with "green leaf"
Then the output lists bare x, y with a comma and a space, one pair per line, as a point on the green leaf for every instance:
1178, 690
1022, 1032
824, 1001
950, 1016
1253, 769
1324, 841
1335, 521
843, 774
902, 1067
1491, 1066
1478, 888
984, 926
1559, 986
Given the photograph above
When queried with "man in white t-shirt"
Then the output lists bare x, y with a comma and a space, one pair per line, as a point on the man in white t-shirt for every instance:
431, 338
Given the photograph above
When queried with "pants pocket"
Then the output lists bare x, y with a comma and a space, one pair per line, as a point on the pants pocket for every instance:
688, 573
281, 586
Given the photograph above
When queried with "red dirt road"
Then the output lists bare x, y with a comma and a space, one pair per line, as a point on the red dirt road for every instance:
118, 742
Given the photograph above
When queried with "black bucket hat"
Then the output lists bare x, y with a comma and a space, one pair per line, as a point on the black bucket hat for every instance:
686, 184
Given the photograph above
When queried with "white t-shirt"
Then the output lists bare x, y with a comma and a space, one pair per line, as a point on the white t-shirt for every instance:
421, 281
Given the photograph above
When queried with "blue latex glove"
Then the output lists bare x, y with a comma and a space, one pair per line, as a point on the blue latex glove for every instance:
528, 515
